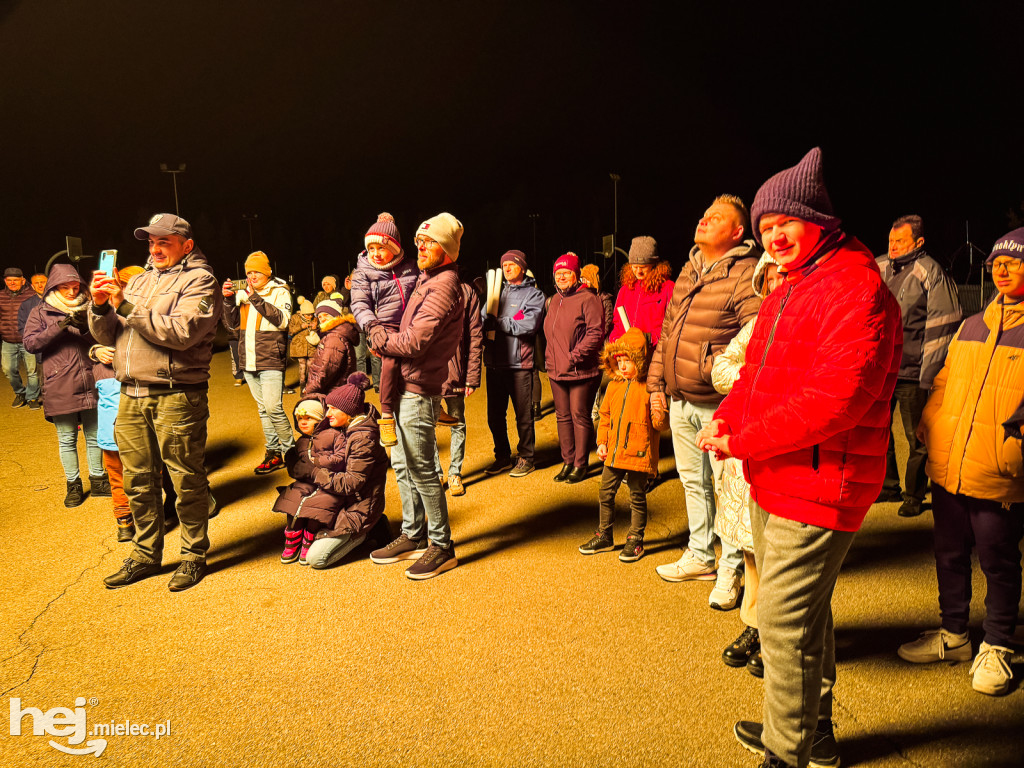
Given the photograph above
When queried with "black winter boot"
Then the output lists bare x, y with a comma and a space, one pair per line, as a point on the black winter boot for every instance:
76, 494
99, 485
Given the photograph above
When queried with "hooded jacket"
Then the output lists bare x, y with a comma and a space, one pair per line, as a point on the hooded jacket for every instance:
930, 309
299, 327
68, 382
430, 331
381, 294
625, 414
643, 301
520, 316
335, 356
709, 305
971, 449
574, 333
728, 365
362, 482
464, 366
323, 449
162, 333
261, 319
809, 415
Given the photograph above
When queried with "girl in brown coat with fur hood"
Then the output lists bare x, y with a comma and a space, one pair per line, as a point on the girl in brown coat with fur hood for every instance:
626, 443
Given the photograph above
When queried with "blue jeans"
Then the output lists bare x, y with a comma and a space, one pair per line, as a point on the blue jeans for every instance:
698, 471
327, 551
424, 507
457, 410
266, 388
12, 354
67, 442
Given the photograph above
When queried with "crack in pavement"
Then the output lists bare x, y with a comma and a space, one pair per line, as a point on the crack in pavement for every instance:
897, 747
38, 616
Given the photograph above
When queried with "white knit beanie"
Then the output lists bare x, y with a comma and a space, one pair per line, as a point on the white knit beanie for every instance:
446, 230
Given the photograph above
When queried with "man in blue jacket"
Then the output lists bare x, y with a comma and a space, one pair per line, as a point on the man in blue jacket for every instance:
509, 342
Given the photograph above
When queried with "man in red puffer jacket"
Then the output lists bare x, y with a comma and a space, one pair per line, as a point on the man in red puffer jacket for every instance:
809, 417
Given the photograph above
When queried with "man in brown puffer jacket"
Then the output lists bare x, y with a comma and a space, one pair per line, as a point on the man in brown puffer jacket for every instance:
713, 298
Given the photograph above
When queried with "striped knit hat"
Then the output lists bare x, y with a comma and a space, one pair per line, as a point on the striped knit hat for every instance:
329, 307
385, 232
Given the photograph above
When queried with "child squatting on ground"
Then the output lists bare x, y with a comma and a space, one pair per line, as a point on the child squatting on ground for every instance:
627, 443
340, 471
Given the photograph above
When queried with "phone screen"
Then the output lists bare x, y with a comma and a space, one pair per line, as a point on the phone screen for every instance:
108, 261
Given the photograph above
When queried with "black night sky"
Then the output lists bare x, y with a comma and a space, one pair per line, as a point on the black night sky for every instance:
316, 116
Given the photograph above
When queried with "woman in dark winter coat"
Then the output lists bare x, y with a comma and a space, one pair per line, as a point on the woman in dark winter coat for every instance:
335, 357
574, 328
57, 329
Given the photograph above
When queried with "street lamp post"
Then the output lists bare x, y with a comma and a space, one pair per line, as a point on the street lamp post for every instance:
250, 219
164, 168
533, 219
615, 219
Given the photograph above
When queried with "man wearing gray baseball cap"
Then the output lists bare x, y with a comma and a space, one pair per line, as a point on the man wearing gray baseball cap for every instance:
161, 326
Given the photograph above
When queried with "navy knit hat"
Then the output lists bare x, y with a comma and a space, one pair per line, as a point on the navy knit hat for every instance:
350, 397
516, 257
1010, 244
799, 192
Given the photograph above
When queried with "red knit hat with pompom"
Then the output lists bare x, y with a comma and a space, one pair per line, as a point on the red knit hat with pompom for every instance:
385, 232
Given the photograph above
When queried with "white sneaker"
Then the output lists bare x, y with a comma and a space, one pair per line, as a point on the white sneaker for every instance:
936, 645
991, 670
686, 568
727, 590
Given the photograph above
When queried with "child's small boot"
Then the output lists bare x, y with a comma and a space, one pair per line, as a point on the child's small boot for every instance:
388, 436
125, 528
99, 485
307, 542
633, 550
292, 542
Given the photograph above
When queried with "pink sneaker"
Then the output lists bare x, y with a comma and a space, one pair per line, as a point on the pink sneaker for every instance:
292, 540
307, 542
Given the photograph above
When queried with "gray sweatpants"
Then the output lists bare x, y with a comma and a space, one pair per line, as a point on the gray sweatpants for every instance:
799, 565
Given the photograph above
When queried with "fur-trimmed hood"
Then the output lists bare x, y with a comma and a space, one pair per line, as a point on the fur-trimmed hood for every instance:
654, 280
336, 320
632, 343
761, 273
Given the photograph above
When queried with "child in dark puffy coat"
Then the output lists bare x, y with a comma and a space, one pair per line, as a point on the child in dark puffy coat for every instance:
381, 285
308, 506
360, 484
626, 443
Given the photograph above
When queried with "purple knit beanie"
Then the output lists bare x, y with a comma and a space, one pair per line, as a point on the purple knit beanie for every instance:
1010, 244
568, 261
516, 257
349, 397
799, 192
385, 232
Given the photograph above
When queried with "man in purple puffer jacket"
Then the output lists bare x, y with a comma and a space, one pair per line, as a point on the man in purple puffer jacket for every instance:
428, 336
